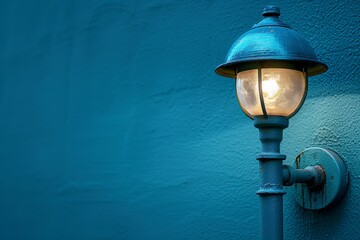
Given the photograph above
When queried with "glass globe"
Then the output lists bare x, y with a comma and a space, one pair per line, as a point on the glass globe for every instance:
283, 91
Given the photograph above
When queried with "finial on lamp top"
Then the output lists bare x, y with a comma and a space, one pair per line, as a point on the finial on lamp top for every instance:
271, 10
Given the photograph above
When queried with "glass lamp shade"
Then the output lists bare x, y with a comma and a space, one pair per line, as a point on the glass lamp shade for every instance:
282, 91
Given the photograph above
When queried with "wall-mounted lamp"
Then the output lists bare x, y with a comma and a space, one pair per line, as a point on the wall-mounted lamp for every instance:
271, 64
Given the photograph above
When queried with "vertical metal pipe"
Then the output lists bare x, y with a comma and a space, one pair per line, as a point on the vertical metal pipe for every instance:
271, 176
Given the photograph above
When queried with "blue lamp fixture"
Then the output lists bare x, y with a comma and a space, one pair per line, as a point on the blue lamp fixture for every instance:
271, 64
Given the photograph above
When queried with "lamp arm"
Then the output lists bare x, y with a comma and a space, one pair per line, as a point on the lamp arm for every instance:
313, 176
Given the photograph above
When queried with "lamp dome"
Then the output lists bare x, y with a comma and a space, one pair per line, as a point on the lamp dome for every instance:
272, 43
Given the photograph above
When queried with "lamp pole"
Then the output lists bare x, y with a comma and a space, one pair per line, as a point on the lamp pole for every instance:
271, 176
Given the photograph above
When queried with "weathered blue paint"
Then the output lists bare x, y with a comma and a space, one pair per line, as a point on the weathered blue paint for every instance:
270, 43
114, 125
312, 175
333, 171
271, 176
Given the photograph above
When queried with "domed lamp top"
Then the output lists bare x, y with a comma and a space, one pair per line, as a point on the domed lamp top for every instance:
271, 43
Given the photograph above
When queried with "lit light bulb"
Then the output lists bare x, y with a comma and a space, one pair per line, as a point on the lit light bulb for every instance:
283, 91
270, 88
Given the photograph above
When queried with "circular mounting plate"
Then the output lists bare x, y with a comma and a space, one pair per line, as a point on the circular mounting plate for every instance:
335, 183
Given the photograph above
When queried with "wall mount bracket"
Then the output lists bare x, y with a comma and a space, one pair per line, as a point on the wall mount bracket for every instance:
332, 171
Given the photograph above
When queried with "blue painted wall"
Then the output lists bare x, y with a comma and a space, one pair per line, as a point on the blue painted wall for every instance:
113, 124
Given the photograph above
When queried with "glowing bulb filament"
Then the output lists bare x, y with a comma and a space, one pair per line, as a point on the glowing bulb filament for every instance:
270, 88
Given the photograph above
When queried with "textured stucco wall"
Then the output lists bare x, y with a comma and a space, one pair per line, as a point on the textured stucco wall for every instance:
113, 124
